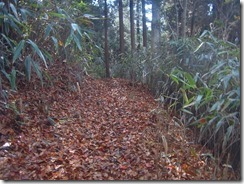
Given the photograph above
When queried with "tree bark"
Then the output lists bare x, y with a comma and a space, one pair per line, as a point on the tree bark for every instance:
193, 21
132, 26
121, 28
138, 24
184, 20
144, 25
156, 27
177, 19
106, 52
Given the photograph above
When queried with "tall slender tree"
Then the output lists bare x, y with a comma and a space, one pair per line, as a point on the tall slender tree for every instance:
121, 28
184, 20
144, 25
177, 18
132, 25
193, 10
156, 27
138, 24
106, 52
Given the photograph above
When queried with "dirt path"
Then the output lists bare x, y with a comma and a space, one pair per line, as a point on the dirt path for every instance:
104, 129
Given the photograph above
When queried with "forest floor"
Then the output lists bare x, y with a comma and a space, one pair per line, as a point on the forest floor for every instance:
102, 129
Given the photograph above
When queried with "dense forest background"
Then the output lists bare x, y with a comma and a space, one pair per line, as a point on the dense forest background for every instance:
186, 52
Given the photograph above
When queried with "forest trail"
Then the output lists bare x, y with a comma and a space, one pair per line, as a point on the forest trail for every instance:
105, 129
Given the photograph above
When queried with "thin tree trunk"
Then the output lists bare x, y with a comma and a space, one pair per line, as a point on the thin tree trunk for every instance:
132, 26
193, 17
180, 17
184, 20
106, 52
138, 24
156, 27
121, 28
192, 22
144, 25
177, 19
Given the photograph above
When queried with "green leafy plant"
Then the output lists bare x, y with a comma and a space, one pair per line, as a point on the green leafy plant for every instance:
29, 45
211, 100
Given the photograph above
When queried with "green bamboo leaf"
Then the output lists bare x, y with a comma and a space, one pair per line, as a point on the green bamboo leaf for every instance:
6, 75
188, 105
215, 68
55, 43
76, 27
221, 104
13, 79
12, 23
231, 115
18, 50
227, 136
198, 100
217, 105
7, 28
28, 67
208, 94
8, 40
223, 52
212, 120
87, 35
187, 111
236, 73
77, 41
38, 51
184, 96
173, 105
37, 70
220, 123
211, 45
190, 80
24, 13
192, 99
66, 15
14, 10
68, 40
58, 15
226, 80
174, 78
47, 55
204, 33
48, 30
199, 47
214, 107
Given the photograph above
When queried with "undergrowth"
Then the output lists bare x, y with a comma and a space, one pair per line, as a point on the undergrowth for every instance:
199, 80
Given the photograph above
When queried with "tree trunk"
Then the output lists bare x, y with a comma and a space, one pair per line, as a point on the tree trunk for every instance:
106, 53
192, 22
177, 19
180, 15
132, 26
121, 28
138, 24
184, 20
144, 25
195, 3
156, 27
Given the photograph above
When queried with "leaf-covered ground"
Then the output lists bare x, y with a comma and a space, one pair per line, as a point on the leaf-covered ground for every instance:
103, 129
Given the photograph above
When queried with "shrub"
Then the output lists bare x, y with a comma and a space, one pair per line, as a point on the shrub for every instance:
211, 100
